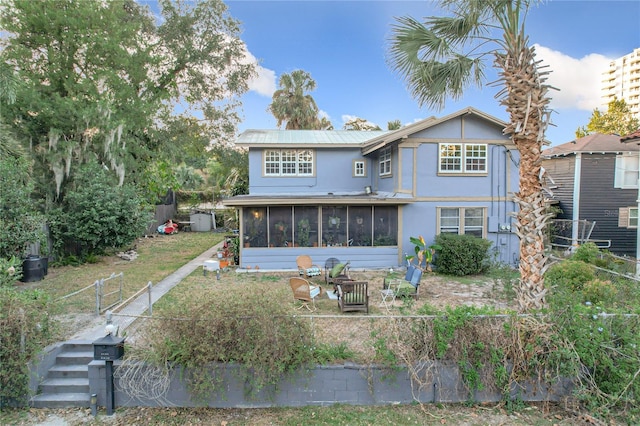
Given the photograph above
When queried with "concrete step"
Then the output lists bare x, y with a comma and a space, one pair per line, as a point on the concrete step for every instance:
74, 357
61, 400
68, 371
66, 385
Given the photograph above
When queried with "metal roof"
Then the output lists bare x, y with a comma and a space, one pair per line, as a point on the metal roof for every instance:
347, 198
305, 137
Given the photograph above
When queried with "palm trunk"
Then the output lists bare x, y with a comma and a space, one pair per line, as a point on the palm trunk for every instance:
526, 102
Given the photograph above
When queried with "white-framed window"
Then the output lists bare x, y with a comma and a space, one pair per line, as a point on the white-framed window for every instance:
628, 217
385, 161
626, 176
462, 220
288, 162
359, 168
462, 158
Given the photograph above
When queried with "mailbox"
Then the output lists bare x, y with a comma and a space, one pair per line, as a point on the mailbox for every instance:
108, 348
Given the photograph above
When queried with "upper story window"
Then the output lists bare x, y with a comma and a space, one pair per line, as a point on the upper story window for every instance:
359, 168
385, 161
288, 162
462, 158
626, 176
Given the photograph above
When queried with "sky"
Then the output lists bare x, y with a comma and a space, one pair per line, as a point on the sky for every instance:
343, 45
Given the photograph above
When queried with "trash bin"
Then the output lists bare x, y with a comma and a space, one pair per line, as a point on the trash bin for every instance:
32, 269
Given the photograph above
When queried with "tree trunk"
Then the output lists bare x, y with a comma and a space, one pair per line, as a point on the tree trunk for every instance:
525, 98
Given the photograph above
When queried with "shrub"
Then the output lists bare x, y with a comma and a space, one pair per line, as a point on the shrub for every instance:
462, 254
25, 327
599, 292
587, 253
570, 274
10, 271
253, 331
97, 214
21, 222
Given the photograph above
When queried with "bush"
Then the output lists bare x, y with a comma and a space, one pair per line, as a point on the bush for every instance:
462, 254
25, 327
587, 253
256, 332
10, 271
21, 222
97, 214
570, 274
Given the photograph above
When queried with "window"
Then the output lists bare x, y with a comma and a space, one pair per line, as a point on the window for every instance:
462, 158
288, 162
359, 169
628, 217
626, 175
462, 220
385, 162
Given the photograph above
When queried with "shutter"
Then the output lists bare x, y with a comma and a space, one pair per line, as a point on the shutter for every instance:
623, 217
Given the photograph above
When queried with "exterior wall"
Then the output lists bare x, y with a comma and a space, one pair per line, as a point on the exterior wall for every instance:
327, 385
599, 202
333, 172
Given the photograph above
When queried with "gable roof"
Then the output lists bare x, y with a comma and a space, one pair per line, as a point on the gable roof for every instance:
404, 132
595, 143
305, 138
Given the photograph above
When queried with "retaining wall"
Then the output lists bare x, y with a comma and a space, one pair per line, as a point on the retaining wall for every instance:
326, 385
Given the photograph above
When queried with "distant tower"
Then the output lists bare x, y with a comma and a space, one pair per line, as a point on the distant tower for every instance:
622, 80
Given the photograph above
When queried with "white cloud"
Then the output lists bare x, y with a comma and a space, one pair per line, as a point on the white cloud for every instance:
577, 79
265, 82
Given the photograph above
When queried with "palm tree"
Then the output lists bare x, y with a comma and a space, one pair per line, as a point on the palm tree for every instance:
292, 105
444, 55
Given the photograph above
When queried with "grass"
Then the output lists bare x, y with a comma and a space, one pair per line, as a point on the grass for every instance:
160, 256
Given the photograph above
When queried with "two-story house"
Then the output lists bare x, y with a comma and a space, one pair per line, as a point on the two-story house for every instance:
358, 196
595, 180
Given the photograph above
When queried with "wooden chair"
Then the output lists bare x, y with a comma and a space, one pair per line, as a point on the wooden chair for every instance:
306, 267
353, 296
304, 291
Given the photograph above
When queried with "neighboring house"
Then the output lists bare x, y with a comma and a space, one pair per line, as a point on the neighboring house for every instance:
595, 179
358, 195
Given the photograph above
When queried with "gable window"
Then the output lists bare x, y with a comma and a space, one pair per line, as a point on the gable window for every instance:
359, 169
628, 217
462, 158
288, 162
462, 220
385, 162
626, 175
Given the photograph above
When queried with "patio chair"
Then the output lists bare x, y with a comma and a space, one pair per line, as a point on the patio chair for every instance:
353, 296
335, 271
306, 267
305, 292
407, 286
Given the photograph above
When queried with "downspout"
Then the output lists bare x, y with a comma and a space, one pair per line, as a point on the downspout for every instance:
576, 201
638, 231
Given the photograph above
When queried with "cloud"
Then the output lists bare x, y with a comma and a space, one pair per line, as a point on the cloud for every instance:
578, 79
264, 83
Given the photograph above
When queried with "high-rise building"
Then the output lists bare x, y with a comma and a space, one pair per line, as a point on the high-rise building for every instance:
622, 81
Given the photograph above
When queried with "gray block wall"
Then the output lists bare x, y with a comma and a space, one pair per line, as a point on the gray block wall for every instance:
326, 385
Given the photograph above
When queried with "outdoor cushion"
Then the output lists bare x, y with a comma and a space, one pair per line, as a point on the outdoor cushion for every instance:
352, 298
312, 272
337, 270
314, 291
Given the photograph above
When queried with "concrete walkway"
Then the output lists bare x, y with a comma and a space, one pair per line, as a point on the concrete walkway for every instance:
126, 316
